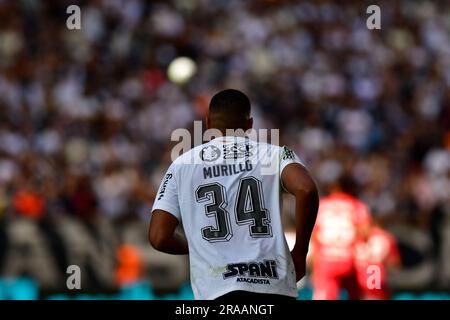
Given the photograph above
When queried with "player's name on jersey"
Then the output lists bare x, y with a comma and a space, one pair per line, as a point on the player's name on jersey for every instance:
226, 169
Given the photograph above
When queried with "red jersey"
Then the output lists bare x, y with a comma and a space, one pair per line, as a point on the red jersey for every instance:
372, 257
336, 232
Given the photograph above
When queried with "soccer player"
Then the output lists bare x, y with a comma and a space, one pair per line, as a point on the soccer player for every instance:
229, 207
373, 258
342, 221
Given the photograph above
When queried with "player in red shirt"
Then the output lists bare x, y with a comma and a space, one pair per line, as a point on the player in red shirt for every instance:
342, 222
373, 258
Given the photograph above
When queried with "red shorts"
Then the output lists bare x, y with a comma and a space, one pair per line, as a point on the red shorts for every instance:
380, 293
329, 279
375, 294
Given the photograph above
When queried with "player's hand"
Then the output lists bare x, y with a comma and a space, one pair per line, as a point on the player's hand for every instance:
299, 263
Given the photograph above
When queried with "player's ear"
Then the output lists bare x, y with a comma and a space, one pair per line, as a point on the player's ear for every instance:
249, 123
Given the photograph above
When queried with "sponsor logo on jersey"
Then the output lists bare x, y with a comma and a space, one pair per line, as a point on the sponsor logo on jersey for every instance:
210, 153
252, 272
253, 280
237, 150
287, 154
164, 185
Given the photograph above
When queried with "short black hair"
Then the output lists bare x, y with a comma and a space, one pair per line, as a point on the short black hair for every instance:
347, 184
229, 109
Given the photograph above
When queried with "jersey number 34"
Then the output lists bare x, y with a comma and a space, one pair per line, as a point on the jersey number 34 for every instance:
249, 210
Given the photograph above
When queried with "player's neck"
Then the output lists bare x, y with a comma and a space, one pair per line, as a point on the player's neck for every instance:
231, 132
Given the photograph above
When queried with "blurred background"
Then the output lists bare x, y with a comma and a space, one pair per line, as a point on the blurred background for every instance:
86, 117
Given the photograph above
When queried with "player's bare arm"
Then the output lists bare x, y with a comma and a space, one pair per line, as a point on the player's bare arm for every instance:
298, 182
162, 233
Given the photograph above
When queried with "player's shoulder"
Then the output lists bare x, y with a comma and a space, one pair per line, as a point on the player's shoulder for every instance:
197, 155
283, 149
286, 153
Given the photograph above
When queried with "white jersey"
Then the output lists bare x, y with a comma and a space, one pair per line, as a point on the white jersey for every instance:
227, 195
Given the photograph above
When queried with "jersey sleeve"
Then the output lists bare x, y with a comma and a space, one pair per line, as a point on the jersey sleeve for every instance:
287, 156
167, 197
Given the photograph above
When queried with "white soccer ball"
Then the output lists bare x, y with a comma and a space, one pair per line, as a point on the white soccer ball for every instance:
181, 70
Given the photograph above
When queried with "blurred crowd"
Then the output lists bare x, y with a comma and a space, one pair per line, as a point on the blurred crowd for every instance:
86, 115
